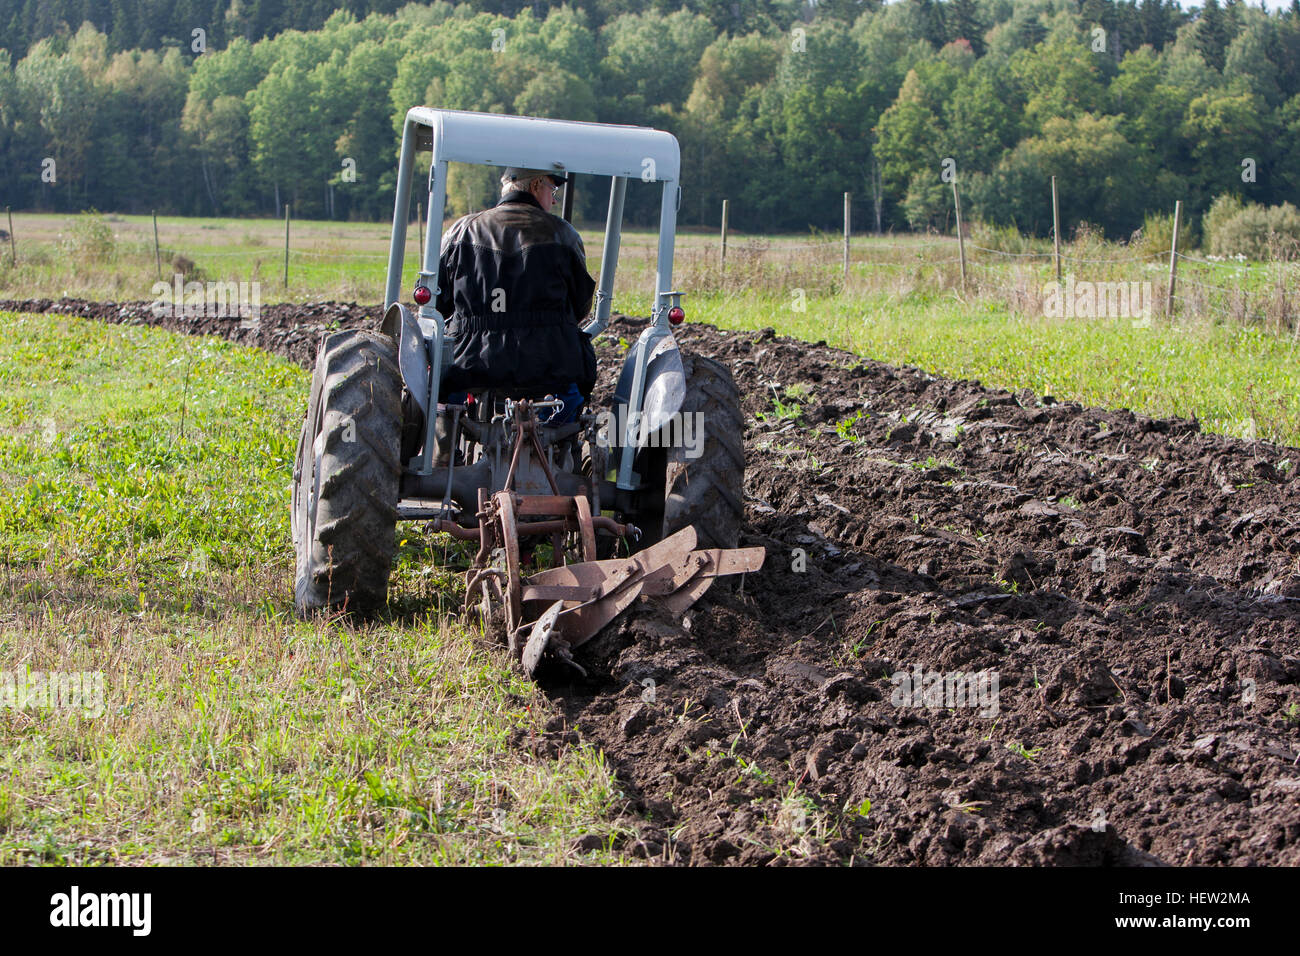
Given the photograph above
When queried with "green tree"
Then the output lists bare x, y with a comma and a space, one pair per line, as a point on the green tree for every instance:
1185, 66
963, 24
1252, 60
366, 137
648, 61
288, 145
928, 203
1213, 34
910, 139
65, 104
982, 117
1016, 193
1224, 128
143, 158
1060, 78
1094, 165
716, 137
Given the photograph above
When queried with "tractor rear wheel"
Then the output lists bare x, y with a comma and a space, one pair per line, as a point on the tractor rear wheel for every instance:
707, 490
347, 473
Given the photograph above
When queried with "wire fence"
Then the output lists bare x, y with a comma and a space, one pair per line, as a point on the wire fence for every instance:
1169, 283
1261, 293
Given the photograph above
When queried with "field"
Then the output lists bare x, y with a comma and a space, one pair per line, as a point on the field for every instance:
1132, 581
1228, 355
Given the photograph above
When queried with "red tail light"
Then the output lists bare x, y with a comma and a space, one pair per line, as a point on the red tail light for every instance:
422, 295
676, 315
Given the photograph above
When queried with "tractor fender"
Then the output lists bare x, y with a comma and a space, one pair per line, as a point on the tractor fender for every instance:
665, 384
412, 353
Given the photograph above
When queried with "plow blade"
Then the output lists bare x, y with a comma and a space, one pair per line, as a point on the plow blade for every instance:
540, 638
587, 596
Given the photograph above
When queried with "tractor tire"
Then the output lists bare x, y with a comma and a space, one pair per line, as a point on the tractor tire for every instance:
347, 474
707, 491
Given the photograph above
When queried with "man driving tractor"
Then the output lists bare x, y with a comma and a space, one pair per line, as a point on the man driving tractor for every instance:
513, 286
387, 437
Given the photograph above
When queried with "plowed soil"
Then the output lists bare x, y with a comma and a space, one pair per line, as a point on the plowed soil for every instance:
1133, 584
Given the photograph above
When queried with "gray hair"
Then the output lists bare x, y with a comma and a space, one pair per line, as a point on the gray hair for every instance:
522, 185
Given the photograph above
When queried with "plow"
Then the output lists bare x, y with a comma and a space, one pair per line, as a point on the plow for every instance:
575, 521
562, 607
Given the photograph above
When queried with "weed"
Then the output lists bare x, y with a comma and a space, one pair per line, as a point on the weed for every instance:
1021, 751
750, 768
845, 428
782, 411
798, 392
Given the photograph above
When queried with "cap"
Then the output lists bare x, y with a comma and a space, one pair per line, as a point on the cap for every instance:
514, 173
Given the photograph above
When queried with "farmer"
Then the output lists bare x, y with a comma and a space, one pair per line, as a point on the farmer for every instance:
513, 285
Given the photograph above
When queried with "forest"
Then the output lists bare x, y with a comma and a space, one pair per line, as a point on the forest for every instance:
234, 108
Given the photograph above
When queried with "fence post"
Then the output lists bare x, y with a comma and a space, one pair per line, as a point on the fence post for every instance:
1173, 257
13, 250
1056, 231
722, 261
961, 236
876, 186
157, 251
286, 245
848, 229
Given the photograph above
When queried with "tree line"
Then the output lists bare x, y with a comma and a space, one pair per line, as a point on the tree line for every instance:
778, 106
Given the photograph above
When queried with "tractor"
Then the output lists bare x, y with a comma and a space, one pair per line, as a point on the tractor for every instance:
574, 522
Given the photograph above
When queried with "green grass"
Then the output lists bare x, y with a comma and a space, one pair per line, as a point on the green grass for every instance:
344, 261
1238, 380
1228, 358
159, 555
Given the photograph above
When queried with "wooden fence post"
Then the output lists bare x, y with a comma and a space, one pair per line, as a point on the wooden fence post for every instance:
1173, 257
722, 261
1056, 231
961, 236
286, 245
13, 250
157, 250
848, 211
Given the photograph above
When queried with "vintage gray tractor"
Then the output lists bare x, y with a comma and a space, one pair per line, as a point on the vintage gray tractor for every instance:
615, 502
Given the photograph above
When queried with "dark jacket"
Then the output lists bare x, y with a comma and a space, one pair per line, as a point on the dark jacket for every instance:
513, 285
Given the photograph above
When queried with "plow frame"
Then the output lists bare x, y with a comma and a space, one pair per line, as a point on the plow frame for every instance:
574, 598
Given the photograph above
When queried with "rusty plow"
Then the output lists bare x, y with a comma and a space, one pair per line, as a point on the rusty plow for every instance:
557, 610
